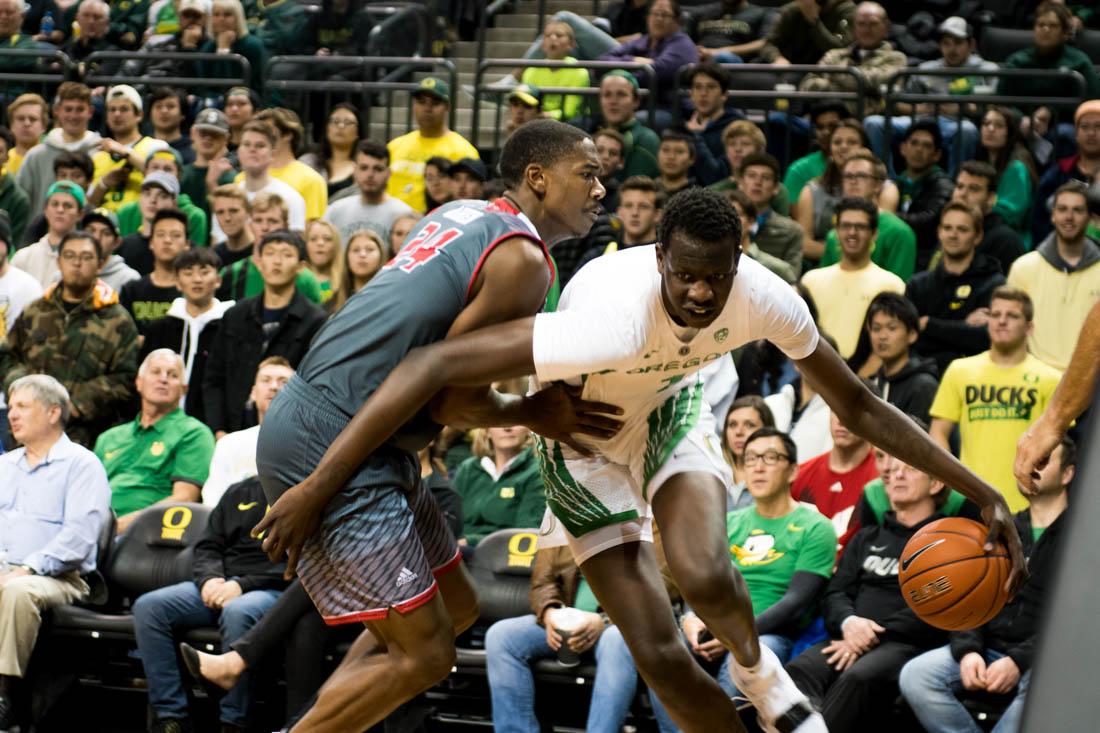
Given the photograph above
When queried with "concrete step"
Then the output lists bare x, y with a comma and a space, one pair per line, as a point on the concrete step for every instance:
496, 49
517, 20
511, 34
580, 7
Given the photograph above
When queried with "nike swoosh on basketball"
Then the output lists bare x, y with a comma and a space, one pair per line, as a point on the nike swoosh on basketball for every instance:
907, 561
245, 507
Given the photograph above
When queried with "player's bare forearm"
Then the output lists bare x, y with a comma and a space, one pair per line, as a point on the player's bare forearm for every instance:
473, 359
887, 427
484, 407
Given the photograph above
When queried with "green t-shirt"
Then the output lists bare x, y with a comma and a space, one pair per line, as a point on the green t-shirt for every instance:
306, 282
804, 170
129, 219
895, 247
142, 462
586, 599
768, 552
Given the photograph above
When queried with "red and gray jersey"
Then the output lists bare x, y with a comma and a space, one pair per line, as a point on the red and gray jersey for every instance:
412, 302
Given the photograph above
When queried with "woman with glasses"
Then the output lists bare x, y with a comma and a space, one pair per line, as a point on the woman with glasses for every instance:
747, 415
335, 157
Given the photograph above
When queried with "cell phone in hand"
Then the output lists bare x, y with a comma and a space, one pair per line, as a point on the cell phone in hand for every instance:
705, 636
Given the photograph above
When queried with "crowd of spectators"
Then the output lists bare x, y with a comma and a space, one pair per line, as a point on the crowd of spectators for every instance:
170, 254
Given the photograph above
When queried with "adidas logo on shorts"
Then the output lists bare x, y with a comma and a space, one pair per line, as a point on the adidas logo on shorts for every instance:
405, 577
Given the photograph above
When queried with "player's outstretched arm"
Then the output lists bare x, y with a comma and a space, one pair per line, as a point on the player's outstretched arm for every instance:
474, 359
477, 358
887, 427
1073, 395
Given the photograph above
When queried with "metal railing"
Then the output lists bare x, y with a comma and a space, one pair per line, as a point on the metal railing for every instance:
980, 100
487, 13
367, 77
768, 91
482, 90
187, 82
380, 39
51, 68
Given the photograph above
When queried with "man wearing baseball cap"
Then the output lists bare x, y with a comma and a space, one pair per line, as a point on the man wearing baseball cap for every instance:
524, 105
131, 217
433, 137
210, 138
102, 225
120, 162
469, 175
159, 191
17, 288
957, 51
64, 205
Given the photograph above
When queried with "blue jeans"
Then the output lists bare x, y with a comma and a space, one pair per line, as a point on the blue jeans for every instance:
875, 126
929, 683
512, 645
160, 614
782, 647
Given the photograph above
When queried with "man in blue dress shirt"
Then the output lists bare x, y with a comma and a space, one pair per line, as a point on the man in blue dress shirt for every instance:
54, 499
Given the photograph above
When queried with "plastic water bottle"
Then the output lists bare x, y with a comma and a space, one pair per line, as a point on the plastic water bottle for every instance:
47, 26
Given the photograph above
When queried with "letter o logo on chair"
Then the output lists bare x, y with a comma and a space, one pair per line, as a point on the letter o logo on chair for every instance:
521, 549
174, 522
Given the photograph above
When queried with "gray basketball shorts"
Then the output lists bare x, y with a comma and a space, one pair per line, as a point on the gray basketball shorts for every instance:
382, 540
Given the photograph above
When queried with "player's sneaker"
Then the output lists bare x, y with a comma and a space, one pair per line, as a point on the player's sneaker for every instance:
780, 706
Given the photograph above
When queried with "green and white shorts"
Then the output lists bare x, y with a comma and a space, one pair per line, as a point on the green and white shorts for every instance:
594, 504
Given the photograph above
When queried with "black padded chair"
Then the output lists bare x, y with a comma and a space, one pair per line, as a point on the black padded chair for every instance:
154, 552
1089, 42
997, 44
97, 581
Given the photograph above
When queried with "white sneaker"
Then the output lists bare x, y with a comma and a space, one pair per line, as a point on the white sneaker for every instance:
780, 706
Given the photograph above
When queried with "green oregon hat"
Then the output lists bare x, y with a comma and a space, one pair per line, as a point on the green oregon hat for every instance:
434, 86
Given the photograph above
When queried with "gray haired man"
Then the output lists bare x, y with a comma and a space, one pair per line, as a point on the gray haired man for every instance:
54, 500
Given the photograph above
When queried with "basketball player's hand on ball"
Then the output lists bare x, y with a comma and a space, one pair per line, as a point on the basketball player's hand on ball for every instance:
1002, 529
559, 413
288, 524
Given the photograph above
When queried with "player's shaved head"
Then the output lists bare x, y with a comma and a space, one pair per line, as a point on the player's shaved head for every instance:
699, 215
542, 142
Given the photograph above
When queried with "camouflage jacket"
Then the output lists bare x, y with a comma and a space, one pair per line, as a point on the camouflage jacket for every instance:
875, 67
92, 350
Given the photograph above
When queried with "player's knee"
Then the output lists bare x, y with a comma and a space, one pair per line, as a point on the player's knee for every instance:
430, 663
666, 660
711, 586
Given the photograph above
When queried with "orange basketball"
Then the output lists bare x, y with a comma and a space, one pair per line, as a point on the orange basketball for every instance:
947, 578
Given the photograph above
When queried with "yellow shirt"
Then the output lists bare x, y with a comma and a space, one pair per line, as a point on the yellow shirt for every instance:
410, 152
306, 181
993, 406
15, 162
842, 297
115, 198
1062, 300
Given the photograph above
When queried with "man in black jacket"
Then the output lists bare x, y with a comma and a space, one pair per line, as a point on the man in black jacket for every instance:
234, 585
192, 321
907, 381
852, 677
278, 322
976, 185
923, 185
953, 298
997, 657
